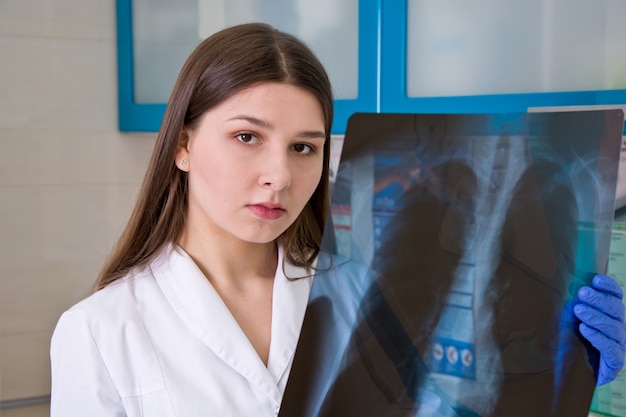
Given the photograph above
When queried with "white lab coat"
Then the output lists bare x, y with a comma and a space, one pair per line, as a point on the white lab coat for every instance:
161, 342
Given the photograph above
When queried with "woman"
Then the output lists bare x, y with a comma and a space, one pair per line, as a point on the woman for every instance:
199, 308
189, 300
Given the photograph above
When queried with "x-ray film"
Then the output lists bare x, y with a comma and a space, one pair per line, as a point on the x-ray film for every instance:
457, 244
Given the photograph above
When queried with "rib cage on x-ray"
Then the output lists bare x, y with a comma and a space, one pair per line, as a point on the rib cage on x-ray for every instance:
474, 232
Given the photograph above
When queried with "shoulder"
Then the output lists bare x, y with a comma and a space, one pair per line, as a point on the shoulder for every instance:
115, 304
106, 333
110, 302
98, 321
114, 300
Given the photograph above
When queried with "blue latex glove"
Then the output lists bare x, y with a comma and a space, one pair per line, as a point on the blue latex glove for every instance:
601, 311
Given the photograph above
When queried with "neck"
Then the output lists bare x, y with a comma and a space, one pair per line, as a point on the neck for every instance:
232, 263
242, 273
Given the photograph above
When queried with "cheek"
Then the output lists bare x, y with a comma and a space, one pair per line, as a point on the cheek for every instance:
309, 182
209, 178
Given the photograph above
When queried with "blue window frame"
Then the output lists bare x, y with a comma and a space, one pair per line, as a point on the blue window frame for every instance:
394, 75
382, 75
142, 117
132, 116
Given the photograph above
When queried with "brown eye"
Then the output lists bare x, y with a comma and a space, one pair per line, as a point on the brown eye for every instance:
302, 148
247, 138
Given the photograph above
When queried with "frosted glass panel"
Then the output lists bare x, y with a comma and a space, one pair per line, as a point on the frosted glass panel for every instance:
164, 34
457, 47
166, 31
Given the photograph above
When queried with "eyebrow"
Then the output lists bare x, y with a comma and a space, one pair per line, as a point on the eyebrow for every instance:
307, 134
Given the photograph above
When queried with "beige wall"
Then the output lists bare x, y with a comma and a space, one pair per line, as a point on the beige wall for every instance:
68, 178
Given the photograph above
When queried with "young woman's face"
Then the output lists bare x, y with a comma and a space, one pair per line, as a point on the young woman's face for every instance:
253, 163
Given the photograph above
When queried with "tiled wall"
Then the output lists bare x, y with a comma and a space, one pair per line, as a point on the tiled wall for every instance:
68, 178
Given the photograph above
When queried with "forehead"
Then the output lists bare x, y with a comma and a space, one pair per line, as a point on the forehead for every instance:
272, 91
273, 99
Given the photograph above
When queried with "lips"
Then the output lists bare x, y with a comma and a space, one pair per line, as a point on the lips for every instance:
268, 211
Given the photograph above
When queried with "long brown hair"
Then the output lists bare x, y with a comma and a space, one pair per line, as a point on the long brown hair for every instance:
222, 65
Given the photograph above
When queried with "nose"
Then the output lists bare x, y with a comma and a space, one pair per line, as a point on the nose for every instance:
277, 173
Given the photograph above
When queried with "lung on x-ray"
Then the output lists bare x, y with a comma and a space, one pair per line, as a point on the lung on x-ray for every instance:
450, 263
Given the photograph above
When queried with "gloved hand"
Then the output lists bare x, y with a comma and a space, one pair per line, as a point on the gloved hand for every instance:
601, 311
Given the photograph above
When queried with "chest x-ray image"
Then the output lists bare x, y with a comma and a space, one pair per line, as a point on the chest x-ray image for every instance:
459, 243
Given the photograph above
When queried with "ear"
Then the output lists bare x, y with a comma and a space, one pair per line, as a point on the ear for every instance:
182, 154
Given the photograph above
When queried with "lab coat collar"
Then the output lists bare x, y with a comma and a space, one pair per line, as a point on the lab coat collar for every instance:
292, 286
198, 304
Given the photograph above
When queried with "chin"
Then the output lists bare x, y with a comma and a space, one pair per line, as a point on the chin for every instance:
261, 238
264, 233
